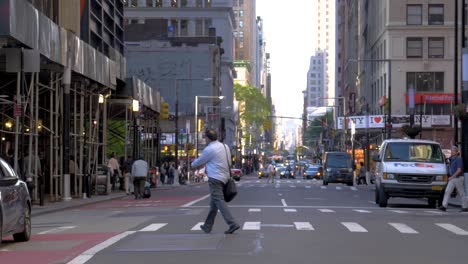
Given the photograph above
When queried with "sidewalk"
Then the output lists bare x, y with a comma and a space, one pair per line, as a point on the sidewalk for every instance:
51, 207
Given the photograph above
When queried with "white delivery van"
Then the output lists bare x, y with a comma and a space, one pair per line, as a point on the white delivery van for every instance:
410, 168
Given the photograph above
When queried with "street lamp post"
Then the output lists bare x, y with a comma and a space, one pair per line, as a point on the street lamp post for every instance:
196, 118
344, 114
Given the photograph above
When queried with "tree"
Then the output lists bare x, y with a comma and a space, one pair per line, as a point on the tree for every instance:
315, 128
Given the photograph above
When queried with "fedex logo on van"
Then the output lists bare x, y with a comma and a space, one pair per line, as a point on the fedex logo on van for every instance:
413, 165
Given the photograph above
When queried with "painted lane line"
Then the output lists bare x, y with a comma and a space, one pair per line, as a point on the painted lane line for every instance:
280, 194
153, 227
399, 211
284, 203
354, 227
195, 201
88, 254
251, 226
255, 210
257, 181
454, 229
338, 188
287, 210
323, 187
303, 226
298, 181
264, 185
353, 188
362, 211
308, 187
197, 226
403, 228
292, 186
288, 181
326, 211
435, 212
56, 230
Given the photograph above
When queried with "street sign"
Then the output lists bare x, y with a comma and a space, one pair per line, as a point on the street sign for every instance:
163, 137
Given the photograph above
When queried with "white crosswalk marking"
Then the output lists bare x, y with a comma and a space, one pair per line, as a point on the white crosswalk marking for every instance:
308, 187
454, 229
354, 227
303, 226
353, 188
290, 210
197, 226
153, 227
257, 181
435, 212
338, 188
399, 211
326, 211
292, 186
403, 228
251, 226
362, 211
323, 187
255, 210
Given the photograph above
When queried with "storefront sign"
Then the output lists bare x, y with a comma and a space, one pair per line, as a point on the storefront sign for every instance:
432, 98
378, 121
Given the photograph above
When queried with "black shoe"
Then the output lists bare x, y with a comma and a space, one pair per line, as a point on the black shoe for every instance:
442, 208
232, 229
205, 229
464, 210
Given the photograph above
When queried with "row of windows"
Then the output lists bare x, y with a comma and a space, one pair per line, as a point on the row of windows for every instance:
173, 3
425, 81
414, 47
435, 14
239, 13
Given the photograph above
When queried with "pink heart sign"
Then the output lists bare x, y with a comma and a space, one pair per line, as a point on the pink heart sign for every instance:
377, 119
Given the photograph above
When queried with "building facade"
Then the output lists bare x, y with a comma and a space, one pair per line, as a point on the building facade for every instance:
316, 80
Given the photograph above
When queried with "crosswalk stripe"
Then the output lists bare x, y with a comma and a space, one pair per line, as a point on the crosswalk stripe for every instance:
338, 188
251, 226
292, 186
326, 211
434, 212
362, 211
323, 187
290, 210
255, 210
153, 227
399, 211
403, 228
303, 226
197, 226
354, 188
354, 227
308, 187
453, 228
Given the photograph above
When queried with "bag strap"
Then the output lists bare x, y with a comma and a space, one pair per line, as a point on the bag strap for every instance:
227, 159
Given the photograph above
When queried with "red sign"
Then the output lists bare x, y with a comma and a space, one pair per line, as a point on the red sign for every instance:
432, 98
18, 110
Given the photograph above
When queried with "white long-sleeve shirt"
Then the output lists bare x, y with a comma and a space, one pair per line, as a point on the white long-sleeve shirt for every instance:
216, 157
140, 168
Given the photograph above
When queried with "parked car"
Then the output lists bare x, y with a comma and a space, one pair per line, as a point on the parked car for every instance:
236, 174
313, 172
338, 167
15, 205
410, 168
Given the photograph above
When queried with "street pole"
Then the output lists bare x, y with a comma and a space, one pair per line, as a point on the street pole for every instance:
367, 154
465, 101
196, 126
66, 129
389, 119
176, 124
455, 73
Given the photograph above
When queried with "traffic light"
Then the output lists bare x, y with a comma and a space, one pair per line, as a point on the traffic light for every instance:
164, 110
166, 148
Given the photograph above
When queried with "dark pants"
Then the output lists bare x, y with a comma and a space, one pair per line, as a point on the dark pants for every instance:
139, 186
217, 202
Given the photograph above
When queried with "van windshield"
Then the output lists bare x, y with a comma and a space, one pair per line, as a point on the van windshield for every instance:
423, 152
339, 161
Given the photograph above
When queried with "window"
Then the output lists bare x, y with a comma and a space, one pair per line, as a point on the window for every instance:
199, 27
208, 23
199, 3
425, 81
414, 14
173, 3
183, 3
149, 3
207, 3
436, 48
436, 14
241, 44
241, 13
414, 47
159, 3
134, 3
312, 75
241, 23
184, 28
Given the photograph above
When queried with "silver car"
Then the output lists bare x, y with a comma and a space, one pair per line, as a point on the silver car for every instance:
15, 205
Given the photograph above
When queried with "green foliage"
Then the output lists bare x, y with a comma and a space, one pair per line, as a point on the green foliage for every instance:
115, 137
254, 108
314, 129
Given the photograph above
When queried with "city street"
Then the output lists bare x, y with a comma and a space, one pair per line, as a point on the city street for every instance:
291, 221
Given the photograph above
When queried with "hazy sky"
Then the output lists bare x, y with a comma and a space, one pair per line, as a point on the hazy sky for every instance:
289, 40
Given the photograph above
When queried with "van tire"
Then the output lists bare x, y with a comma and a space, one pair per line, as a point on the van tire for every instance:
432, 202
376, 195
325, 183
383, 198
350, 183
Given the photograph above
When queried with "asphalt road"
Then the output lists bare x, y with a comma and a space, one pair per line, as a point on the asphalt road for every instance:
291, 221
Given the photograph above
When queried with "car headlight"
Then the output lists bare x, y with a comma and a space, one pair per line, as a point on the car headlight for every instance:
442, 178
389, 176
281, 173
259, 173
318, 173
329, 169
292, 174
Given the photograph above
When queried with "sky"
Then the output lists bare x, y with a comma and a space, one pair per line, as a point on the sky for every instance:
289, 40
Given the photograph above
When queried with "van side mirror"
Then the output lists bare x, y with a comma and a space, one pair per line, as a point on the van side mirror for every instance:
376, 158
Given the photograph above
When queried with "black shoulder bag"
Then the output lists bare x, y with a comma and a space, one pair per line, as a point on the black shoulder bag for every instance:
230, 188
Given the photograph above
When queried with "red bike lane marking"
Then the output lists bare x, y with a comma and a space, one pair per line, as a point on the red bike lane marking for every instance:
33, 251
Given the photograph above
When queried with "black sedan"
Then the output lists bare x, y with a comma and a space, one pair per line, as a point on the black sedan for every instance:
15, 205
313, 172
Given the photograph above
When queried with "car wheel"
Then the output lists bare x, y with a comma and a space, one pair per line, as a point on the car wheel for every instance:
350, 183
383, 198
1, 224
26, 234
432, 202
325, 182
376, 195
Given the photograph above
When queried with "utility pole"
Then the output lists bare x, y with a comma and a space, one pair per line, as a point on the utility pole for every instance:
455, 72
464, 149
176, 124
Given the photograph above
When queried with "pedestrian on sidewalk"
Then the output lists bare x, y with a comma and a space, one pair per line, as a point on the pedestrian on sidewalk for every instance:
127, 170
271, 173
456, 180
114, 167
362, 174
139, 174
216, 157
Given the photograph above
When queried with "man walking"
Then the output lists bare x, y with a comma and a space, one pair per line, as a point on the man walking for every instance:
139, 174
456, 180
271, 173
216, 157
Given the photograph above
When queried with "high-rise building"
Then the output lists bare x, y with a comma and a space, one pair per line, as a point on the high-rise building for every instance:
324, 21
316, 80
